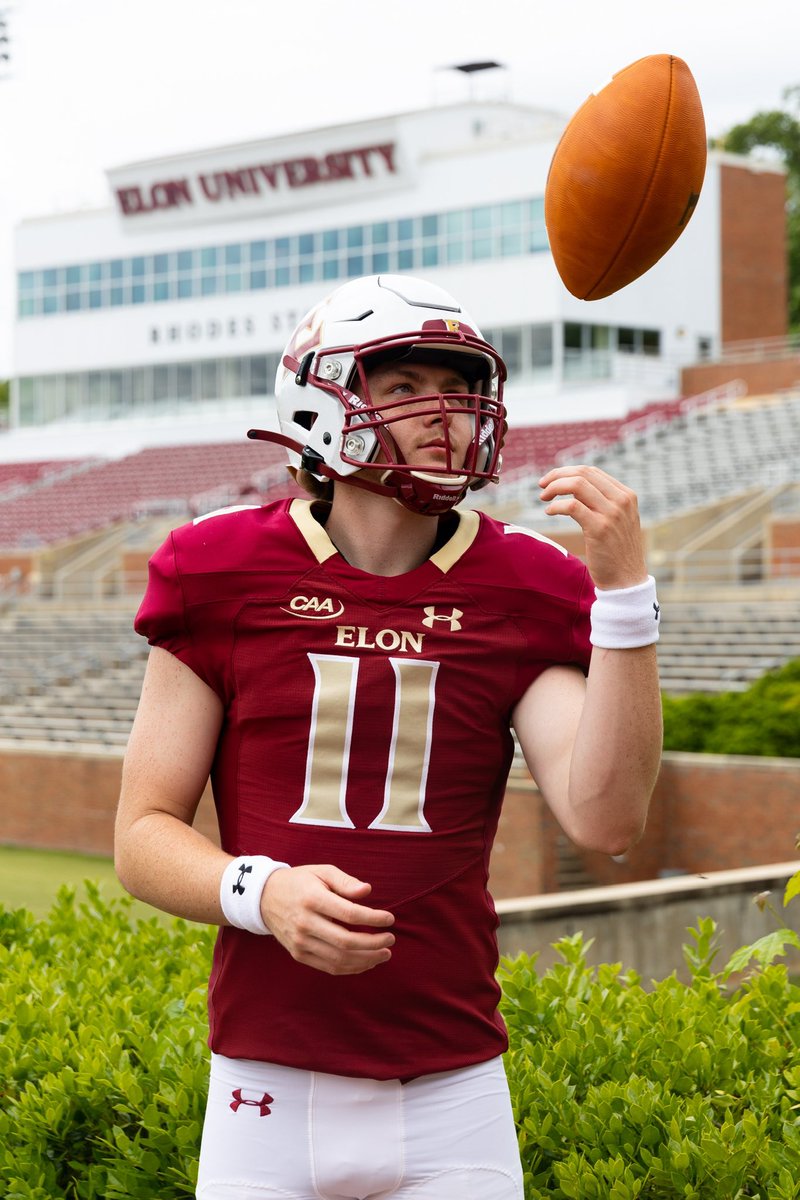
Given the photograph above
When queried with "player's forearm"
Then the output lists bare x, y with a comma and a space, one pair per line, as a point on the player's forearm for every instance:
617, 749
166, 863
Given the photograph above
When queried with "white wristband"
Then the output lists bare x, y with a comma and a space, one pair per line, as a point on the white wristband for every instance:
242, 883
624, 618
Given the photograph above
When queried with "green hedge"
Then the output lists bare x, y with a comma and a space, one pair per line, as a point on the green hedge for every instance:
672, 1091
675, 1090
103, 1060
763, 720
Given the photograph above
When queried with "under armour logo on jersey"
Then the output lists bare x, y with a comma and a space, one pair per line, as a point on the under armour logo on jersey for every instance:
238, 887
263, 1105
432, 616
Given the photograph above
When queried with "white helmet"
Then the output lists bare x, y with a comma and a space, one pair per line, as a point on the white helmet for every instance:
328, 420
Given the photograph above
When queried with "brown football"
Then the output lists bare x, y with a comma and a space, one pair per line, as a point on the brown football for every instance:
626, 176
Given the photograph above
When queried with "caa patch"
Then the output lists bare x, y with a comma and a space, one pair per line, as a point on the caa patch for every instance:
312, 608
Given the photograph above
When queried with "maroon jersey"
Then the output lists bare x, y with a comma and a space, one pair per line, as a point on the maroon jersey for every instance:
367, 725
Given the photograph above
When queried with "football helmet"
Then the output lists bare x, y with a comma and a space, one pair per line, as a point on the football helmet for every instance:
327, 417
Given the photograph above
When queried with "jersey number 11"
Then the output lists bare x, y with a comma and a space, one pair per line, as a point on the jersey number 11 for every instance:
330, 733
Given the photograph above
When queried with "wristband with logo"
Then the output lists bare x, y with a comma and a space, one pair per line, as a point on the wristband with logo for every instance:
624, 618
242, 883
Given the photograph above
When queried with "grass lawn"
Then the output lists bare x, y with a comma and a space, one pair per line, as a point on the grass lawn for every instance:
31, 878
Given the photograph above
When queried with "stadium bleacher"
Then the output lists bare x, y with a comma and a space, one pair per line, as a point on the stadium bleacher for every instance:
725, 645
69, 675
74, 675
72, 672
91, 494
15, 477
704, 453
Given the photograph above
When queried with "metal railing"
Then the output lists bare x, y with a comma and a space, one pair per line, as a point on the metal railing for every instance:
760, 349
742, 566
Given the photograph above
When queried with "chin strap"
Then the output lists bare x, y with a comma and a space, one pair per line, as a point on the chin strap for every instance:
427, 495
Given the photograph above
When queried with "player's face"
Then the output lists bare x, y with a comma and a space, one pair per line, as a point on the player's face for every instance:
423, 435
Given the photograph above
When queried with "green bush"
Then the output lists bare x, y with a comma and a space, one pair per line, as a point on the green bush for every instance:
103, 1061
763, 720
681, 1090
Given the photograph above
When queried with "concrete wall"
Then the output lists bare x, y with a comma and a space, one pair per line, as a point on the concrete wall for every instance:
644, 926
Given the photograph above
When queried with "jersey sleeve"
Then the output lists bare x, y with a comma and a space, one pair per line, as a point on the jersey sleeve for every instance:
557, 632
163, 619
581, 628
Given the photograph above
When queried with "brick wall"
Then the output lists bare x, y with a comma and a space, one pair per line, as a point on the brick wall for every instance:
67, 801
753, 253
708, 813
17, 560
711, 813
762, 378
783, 538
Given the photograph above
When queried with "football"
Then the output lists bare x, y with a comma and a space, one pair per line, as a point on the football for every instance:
626, 176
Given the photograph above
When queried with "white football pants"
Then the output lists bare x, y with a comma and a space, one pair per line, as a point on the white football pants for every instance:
276, 1133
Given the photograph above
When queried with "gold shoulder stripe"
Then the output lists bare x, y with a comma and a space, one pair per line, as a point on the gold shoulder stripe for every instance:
313, 533
468, 525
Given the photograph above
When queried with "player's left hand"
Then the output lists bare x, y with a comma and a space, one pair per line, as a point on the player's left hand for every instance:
608, 513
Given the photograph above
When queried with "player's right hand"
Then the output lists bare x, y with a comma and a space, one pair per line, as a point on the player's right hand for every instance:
310, 909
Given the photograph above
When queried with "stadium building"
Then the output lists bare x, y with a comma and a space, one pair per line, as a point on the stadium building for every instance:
172, 304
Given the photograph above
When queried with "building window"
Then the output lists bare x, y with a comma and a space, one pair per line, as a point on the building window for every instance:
527, 350
589, 349
651, 341
464, 235
541, 348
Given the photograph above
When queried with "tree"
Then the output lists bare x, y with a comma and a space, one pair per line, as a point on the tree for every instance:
4, 390
779, 131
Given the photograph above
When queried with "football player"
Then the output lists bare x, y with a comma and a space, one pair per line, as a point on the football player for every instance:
349, 669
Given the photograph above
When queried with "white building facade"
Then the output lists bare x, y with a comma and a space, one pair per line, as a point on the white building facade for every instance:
175, 302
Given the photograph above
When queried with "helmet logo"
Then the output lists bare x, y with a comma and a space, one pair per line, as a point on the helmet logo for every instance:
448, 325
308, 334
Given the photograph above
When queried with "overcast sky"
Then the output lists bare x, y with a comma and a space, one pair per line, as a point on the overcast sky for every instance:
97, 83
